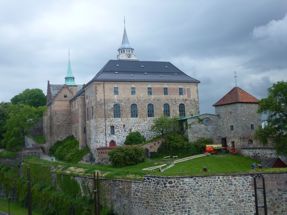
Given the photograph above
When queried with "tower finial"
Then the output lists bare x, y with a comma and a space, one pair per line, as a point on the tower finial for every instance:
69, 79
235, 78
126, 52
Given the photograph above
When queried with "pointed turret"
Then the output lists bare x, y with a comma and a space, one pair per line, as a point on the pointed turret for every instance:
126, 52
69, 79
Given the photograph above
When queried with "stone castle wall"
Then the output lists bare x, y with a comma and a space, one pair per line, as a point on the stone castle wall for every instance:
194, 195
100, 99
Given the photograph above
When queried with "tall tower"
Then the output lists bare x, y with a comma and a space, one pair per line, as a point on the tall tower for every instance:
126, 52
69, 79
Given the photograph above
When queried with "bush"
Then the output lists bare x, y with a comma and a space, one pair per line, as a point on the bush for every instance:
68, 150
126, 155
177, 144
134, 138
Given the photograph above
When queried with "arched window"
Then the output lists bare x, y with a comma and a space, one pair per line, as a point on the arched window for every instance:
134, 111
166, 110
150, 110
117, 111
181, 109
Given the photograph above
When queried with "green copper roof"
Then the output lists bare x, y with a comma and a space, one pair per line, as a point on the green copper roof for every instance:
69, 79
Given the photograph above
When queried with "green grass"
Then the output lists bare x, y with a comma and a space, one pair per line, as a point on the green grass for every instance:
216, 165
7, 154
15, 209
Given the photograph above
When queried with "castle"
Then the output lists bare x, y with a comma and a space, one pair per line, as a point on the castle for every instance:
125, 95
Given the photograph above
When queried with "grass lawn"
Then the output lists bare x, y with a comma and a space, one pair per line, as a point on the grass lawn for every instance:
15, 209
216, 164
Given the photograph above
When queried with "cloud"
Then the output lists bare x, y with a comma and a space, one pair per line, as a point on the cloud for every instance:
208, 40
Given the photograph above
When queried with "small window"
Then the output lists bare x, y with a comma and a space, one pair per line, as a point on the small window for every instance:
231, 128
149, 91
133, 90
165, 91
116, 91
150, 110
250, 142
166, 110
112, 130
134, 111
181, 91
65, 96
181, 109
117, 111
252, 126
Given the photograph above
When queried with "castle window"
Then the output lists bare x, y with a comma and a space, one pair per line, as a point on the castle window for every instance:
166, 110
117, 111
116, 91
65, 96
252, 126
112, 130
134, 111
231, 128
133, 90
150, 110
149, 91
181, 109
165, 91
181, 91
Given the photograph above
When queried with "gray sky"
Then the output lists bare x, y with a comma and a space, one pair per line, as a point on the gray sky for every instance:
208, 40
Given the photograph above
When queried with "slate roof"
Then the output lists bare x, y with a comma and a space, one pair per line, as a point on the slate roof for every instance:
142, 71
236, 95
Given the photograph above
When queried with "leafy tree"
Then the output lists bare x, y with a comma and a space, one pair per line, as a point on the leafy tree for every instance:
19, 121
3, 118
134, 138
164, 125
32, 97
275, 105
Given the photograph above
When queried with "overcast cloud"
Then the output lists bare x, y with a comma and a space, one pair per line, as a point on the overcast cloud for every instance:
208, 40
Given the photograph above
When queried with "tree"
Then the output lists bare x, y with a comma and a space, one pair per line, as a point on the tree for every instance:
164, 125
32, 97
20, 120
3, 117
275, 105
134, 138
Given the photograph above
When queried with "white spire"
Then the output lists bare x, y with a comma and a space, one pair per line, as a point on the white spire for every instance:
126, 52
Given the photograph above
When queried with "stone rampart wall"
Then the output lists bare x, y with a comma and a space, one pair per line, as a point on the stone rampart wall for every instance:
194, 195
259, 153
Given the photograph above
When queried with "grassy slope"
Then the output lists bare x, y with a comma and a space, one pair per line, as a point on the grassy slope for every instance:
15, 209
216, 164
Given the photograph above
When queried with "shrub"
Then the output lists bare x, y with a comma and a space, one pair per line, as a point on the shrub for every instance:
177, 144
126, 155
134, 138
68, 150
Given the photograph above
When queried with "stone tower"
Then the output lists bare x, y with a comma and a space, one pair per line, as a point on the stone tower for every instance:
238, 118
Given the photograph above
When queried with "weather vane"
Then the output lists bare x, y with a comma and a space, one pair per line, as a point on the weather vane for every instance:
235, 78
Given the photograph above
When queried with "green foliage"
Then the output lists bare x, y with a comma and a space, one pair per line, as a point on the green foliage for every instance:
7, 154
275, 105
134, 138
202, 142
32, 97
20, 119
126, 155
177, 144
40, 139
3, 118
164, 125
68, 150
